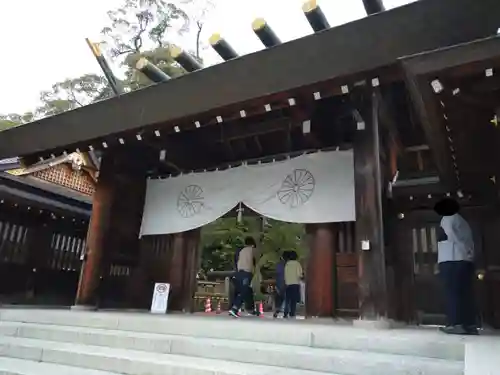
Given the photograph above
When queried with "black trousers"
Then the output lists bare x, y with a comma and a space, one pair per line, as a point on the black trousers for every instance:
458, 281
292, 297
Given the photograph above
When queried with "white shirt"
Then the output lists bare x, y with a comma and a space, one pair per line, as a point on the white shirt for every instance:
246, 259
460, 244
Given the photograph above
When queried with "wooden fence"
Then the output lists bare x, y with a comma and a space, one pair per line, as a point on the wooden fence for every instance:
39, 264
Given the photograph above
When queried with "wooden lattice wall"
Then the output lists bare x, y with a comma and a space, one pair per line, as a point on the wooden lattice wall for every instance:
65, 176
39, 263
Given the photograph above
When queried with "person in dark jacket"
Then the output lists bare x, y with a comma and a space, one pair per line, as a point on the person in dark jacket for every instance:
279, 296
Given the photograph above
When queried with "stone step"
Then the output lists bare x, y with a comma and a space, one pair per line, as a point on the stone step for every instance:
12, 366
411, 342
131, 362
343, 362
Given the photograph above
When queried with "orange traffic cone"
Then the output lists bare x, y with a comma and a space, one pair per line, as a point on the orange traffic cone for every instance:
219, 309
261, 309
208, 306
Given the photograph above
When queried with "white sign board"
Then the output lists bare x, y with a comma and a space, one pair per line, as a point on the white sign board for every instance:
160, 298
302, 292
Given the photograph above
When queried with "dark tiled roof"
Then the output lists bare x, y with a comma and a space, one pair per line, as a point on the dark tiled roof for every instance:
359, 47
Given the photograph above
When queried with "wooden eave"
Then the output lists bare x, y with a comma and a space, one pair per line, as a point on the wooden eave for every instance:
443, 114
44, 195
340, 55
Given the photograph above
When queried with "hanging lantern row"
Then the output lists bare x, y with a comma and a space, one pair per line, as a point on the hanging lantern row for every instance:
438, 88
122, 140
459, 194
264, 160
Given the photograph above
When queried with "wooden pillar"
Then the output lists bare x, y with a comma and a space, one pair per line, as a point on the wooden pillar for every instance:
192, 253
175, 274
97, 235
320, 273
183, 267
369, 182
113, 234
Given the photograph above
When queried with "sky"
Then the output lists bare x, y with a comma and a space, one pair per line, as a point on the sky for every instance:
44, 41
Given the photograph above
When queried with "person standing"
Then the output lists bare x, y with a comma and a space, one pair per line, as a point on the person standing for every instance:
293, 275
246, 260
456, 268
279, 299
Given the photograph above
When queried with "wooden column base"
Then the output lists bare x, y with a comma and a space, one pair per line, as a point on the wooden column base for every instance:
377, 324
83, 308
320, 273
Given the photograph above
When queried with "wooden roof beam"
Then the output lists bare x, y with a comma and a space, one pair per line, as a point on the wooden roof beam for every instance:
373, 6
222, 47
265, 33
114, 83
184, 59
387, 114
151, 71
426, 107
315, 16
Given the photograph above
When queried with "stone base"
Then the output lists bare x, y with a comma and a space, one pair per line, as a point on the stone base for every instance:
83, 308
377, 324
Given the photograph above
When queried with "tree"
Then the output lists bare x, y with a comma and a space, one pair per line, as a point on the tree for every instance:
63, 96
14, 119
221, 238
139, 28
142, 28
73, 93
140, 25
198, 11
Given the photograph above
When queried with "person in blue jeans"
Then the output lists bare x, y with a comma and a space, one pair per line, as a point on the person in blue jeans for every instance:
243, 279
279, 298
293, 275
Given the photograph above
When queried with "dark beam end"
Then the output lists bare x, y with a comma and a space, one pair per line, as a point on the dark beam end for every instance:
222, 47
315, 16
188, 62
151, 71
265, 33
373, 6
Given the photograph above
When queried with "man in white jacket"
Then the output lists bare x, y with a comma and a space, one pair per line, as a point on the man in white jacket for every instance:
456, 268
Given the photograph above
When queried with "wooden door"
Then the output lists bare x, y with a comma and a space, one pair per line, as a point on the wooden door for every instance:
489, 273
429, 297
346, 272
419, 243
